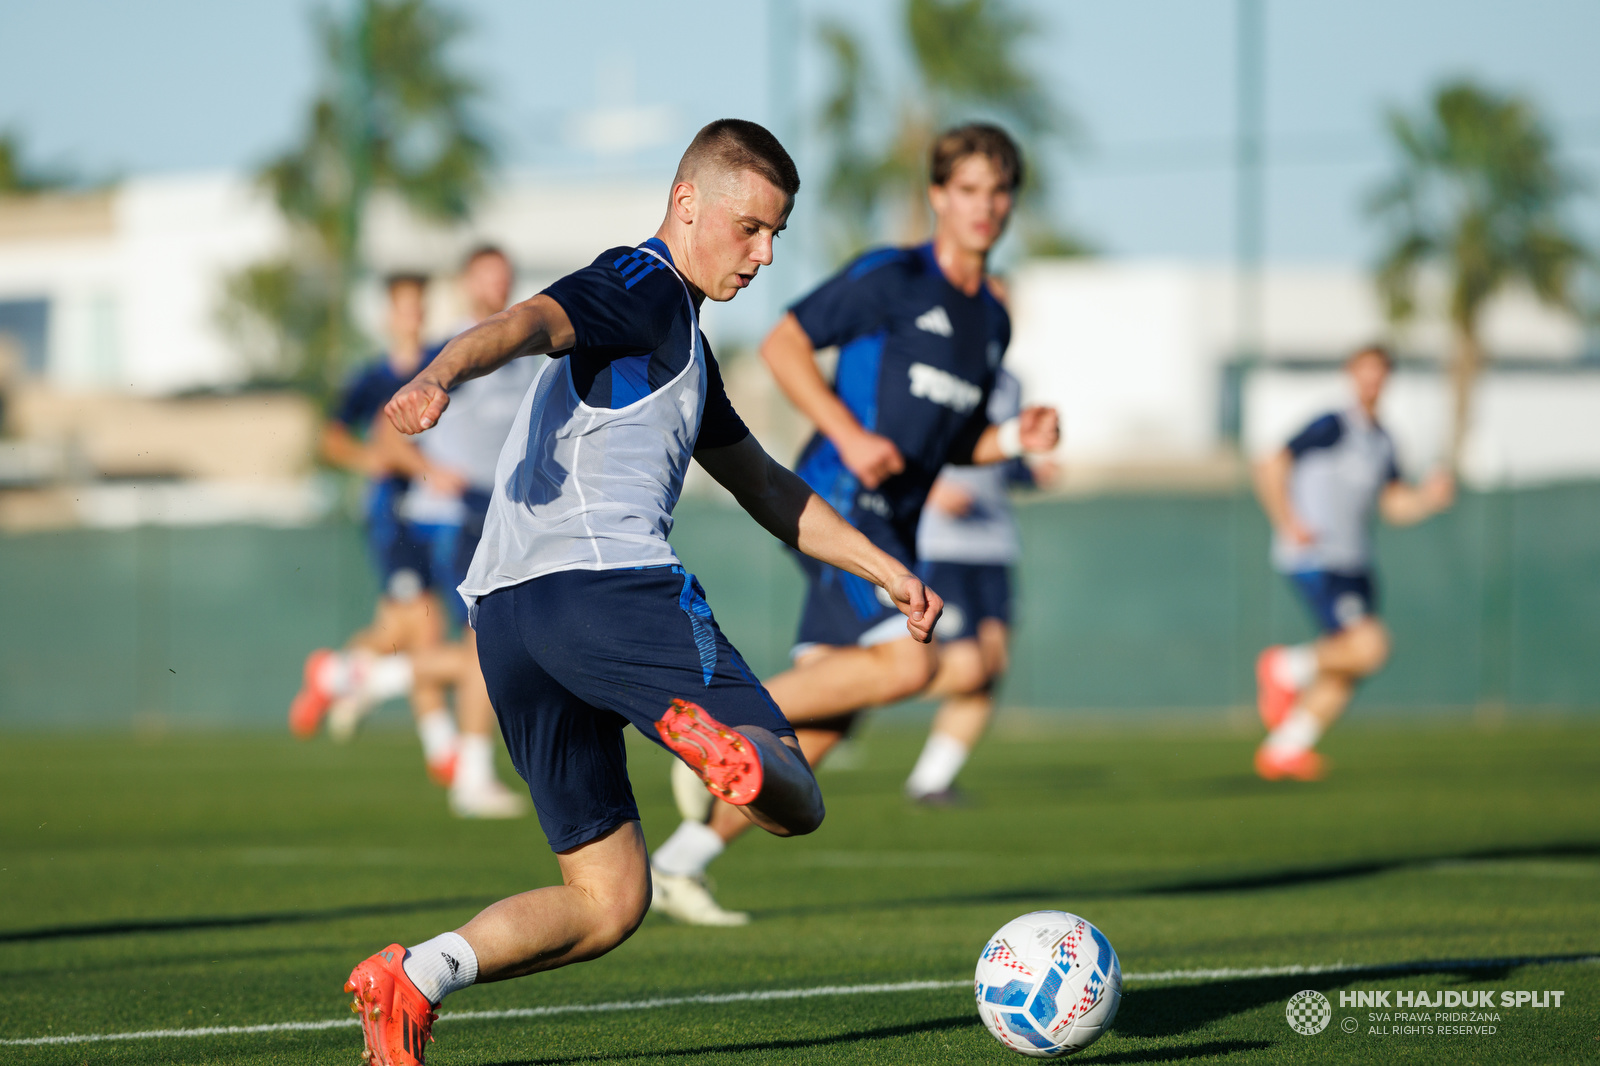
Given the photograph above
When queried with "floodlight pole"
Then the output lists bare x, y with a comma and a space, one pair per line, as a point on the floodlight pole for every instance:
783, 76
1249, 239
1249, 180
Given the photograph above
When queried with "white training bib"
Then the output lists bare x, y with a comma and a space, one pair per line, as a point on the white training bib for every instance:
589, 488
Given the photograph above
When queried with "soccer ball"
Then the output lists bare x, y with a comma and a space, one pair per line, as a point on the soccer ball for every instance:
1048, 984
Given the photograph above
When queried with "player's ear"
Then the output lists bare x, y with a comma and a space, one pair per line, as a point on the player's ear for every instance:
684, 202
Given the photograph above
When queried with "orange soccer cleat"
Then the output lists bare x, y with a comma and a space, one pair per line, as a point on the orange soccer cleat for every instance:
442, 768
311, 703
725, 760
1274, 699
1298, 766
396, 1019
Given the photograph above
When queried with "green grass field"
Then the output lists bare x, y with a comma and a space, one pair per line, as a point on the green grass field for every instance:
196, 881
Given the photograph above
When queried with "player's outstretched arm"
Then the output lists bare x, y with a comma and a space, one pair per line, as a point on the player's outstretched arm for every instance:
533, 327
1036, 431
1271, 479
790, 355
788, 509
1406, 505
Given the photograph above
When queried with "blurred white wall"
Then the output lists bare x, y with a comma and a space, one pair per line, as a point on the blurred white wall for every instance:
133, 278
1135, 353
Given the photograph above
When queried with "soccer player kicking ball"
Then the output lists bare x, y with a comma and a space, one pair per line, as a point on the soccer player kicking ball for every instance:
920, 335
1319, 493
585, 619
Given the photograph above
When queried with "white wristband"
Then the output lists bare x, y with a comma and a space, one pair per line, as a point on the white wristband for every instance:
1010, 439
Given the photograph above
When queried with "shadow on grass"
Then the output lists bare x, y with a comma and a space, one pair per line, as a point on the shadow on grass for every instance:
1033, 894
889, 1032
237, 921
1269, 879
1209, 1050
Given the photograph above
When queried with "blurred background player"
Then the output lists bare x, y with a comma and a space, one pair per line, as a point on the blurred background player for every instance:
1319, 492
967, 544
408, 616
920, 335
450, 474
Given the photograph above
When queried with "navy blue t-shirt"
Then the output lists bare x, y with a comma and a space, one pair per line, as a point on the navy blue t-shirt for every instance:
630, 318
917, 361
370, 387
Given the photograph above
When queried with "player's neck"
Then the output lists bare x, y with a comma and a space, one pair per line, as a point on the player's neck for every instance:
678, 249
405, 354
962, 267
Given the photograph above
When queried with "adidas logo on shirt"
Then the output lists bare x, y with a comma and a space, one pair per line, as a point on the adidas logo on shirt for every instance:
936, 321
943, 387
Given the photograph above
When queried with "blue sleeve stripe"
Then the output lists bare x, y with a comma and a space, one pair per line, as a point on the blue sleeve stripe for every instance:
641, 275
856, 381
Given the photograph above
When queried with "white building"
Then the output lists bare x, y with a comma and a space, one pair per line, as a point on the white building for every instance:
120, 290
1141, 359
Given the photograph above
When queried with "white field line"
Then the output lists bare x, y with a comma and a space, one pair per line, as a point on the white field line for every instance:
784, 993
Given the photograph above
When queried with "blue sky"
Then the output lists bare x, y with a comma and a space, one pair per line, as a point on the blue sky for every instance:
167, 85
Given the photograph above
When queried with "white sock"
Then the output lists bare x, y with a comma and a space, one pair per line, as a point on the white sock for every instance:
688, 851
441, 966
474, 762
385, 677
438, 733
1296, 665
1299, 732
941, 759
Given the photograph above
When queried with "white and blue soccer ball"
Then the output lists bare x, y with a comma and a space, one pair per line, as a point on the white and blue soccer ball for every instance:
1048, 984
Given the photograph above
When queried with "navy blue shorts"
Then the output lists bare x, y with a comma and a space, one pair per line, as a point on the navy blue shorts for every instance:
572, 657
842, 609
1336, 600
971, 593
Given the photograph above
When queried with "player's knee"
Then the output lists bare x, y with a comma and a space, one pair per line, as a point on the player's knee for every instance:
617, 913
909, 669
1370, 642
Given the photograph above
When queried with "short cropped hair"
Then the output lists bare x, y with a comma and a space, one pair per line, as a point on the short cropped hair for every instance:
393, 281
732, 145
1379, 350
975, 138
480, 250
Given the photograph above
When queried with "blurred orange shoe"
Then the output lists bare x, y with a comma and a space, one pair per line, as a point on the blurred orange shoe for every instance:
311, 703
1274, 699
725, 760
396, 1019
1296, 766
442, 768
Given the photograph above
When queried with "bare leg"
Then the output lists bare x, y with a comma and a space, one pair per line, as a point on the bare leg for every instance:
968, 670
603, 897
474, 712
1358, 650
827, 682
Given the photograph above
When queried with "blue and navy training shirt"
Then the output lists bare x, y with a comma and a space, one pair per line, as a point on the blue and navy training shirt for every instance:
917, 361
1342, 463
632, 337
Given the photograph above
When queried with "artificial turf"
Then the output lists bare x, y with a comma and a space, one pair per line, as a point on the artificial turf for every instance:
188, 881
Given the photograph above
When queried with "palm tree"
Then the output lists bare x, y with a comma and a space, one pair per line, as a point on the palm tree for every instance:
392, 114
1479, 194
21, 177
964, 53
